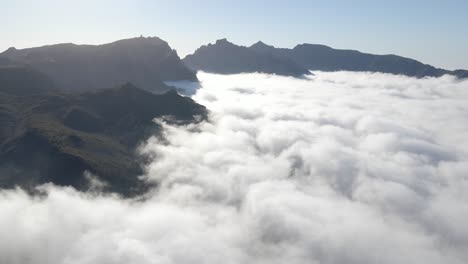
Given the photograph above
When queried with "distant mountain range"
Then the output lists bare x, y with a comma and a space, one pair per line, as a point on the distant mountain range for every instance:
141, 61
49, 136
227, 58
147, 62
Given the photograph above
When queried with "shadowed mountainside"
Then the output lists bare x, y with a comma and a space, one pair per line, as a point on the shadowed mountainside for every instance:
16, 80
224, 57
141, 61
227, 58
56, 137
324, 58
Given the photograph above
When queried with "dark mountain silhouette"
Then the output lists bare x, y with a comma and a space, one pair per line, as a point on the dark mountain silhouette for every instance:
224, 57
462, 74
227, 58
56, 137
142, 61
6, 62
17, 80
324, 58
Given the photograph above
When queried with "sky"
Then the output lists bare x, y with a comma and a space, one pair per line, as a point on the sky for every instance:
431, 31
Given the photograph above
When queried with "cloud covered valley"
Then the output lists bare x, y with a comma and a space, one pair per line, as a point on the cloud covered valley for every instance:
334, 168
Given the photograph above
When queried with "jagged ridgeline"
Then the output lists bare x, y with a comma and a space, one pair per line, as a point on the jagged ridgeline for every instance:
53, 136
226, 58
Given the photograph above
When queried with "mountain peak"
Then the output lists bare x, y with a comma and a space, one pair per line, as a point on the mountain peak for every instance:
10, 50
261, 46
316, 46
223, 42
140, 40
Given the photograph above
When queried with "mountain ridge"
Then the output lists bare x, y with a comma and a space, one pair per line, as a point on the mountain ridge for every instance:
142, 61
228, 58
50, 136
322, 58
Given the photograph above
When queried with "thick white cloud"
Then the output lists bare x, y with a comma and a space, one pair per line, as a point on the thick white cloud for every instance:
337, 168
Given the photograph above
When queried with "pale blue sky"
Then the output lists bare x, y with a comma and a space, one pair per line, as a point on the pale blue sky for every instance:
434, 32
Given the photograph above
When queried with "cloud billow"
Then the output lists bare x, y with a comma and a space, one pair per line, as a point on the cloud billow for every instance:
335, 168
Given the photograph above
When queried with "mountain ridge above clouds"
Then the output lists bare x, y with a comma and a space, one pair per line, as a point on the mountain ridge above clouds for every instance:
225, 57
141, 61
212, 58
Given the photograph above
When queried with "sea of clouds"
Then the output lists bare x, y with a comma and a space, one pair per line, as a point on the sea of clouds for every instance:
333, 168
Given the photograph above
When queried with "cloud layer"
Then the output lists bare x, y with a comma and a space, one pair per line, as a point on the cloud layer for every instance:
337, 168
